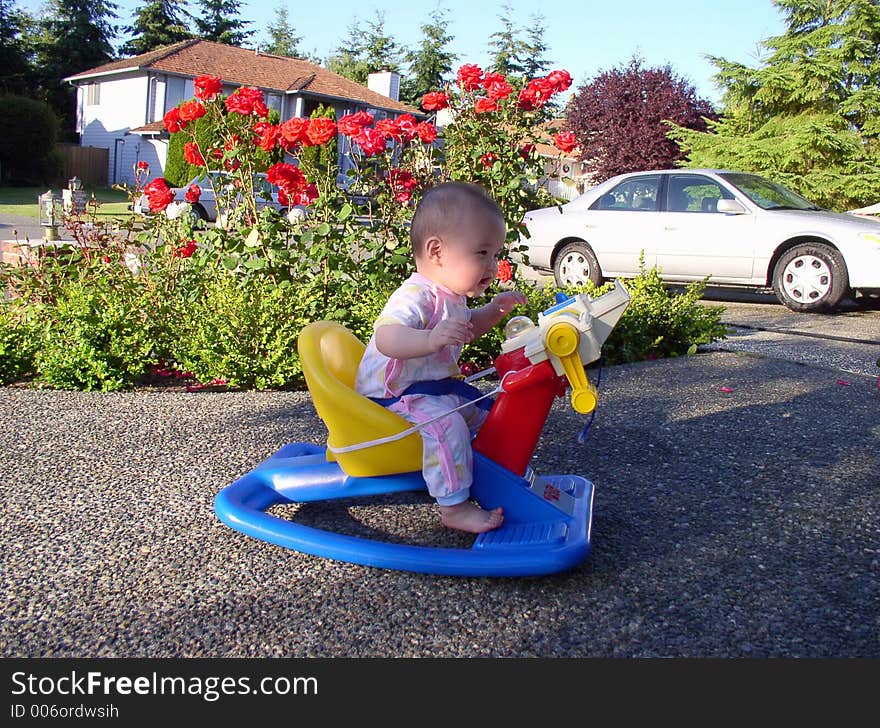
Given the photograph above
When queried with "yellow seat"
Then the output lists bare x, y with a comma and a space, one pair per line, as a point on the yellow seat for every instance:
330, 354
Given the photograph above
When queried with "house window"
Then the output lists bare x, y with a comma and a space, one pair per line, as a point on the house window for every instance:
273, 101
93, 94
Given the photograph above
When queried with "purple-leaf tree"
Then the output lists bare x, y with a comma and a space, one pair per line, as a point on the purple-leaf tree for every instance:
620, 118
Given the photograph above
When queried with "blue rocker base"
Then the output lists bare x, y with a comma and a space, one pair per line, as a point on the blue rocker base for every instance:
546, 525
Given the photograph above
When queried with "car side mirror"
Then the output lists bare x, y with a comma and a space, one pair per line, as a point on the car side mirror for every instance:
730, 207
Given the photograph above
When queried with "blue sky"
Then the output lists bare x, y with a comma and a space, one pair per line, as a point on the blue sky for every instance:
583, 37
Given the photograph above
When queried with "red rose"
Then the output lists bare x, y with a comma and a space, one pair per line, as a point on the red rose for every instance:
306, 196
402, 183
499, 90
491, 77
505, 271
526, 150
143, 165
192, 154
247, 101
320, 131
207, 87
535, 94
488, 159
269, 136
193, 193
288, 177
294, 131
190, 111
187, 250
172, 120
158, 194
370, 141
427, 132
470, 76
559, 80
407, 126
485, 106
388, 128
354, 124
565, 141
435, 100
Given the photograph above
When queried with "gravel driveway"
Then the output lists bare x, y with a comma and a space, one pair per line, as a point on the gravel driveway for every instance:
727, 523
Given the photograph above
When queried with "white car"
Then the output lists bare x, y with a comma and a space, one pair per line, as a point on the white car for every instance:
220, 182
738, 228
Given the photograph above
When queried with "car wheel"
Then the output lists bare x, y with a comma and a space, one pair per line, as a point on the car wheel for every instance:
810, 278
576, 265
197, 213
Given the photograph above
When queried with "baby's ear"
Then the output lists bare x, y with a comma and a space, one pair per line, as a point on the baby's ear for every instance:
434, 249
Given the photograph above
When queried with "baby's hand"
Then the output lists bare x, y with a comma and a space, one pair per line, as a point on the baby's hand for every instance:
450, 332
507, 300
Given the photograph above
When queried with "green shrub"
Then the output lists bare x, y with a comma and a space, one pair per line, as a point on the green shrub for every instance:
242, 331
17, 342
657, 323
28, 132
95, 336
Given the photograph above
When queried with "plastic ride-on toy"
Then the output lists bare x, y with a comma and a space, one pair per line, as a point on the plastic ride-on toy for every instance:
371, 451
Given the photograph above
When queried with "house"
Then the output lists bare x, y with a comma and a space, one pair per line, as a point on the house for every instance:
120, 105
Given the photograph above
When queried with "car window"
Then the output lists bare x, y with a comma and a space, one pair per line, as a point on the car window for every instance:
637, 193
694, 193
766, 194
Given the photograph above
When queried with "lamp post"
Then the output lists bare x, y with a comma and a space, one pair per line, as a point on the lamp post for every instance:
49, 215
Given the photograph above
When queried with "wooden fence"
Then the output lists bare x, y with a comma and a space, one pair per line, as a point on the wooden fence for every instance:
87, 163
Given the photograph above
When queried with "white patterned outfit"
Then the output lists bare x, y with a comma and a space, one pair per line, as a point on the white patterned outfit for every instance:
447, 462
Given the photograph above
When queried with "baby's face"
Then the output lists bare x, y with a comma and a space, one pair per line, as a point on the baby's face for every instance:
469, 258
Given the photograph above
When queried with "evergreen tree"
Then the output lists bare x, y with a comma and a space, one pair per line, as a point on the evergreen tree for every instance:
157, 23
431, 63
620, 118
809, 116
76, 35
15, 71
511, 51
365, 51
220, 21
282, 39
535, 62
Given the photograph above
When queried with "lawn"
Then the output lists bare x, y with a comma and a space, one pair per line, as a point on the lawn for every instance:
23, 201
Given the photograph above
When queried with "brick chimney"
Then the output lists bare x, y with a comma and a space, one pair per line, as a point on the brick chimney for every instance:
386, 83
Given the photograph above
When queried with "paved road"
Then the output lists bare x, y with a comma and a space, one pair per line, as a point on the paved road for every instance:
737, 514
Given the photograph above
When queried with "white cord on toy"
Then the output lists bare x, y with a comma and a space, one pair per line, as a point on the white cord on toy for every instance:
415, 428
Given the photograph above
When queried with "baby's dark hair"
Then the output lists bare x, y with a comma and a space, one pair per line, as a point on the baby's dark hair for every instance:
441, 209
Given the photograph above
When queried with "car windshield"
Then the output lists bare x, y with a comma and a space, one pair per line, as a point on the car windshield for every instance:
766, 194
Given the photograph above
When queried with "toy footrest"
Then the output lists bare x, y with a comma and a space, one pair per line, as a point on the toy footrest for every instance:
522, 534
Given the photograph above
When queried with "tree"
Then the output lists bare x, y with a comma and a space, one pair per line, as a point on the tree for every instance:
76, 35
282, 39
809, 116
620, 118
220, 21
15, 71
365, 51
157, 23
535, 62
28, 131
511, 50
431, 63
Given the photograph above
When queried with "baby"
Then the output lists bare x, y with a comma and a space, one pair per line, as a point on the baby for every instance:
457, 236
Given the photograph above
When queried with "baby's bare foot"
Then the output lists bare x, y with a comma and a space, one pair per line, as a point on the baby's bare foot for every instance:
470, 517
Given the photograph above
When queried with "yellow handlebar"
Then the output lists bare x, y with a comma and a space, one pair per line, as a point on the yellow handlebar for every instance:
562, 341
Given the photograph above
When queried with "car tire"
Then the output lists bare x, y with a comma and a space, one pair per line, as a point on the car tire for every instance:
197, 213
810, 278
575, 265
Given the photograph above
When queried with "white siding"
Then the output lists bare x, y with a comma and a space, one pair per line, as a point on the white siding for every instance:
123, 106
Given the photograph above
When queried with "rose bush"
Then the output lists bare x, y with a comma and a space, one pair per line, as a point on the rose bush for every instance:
226, 303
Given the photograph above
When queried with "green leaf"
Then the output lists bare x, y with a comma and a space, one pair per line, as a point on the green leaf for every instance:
322, 230
345, 212
692, 349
